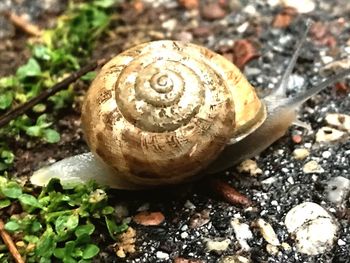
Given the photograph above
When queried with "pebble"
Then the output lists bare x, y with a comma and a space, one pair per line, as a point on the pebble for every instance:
189, 4
312, 167
213, 245
242, 233
200, 219
170, 24
337, 189
213, 11
149, 218
185, 260
249, 166
234, 259
301, 153
267, 232
162, 255
271, 249
312, 227
339, 121
328, 134
302, 7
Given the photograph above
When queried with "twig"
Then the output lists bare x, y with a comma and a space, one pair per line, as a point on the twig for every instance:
10, 244
12, 114
23, 24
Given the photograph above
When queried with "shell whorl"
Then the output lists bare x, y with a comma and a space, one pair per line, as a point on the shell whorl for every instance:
161, 111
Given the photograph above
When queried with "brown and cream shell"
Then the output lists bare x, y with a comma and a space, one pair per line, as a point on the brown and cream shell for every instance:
163, 111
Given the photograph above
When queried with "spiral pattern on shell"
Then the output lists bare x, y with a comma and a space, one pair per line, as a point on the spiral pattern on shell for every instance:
161, 111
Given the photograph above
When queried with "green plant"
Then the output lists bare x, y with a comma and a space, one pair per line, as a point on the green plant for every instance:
62, 50
58, 222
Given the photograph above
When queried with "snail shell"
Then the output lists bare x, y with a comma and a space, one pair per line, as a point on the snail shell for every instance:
162, 111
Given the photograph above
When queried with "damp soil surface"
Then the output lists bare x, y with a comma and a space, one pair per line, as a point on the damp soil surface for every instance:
195, 213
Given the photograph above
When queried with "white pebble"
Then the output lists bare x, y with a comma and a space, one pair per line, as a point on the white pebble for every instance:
162, 255
304, 6
339, 121
312, 227
337, 189
267, 232
312, 167
328, 134
301, 153
213, 245
242, 233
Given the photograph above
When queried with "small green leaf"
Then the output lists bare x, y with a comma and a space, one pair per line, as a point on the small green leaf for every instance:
84, 229
104, 3
41, 52
46, 244
39, 108
8, 82
107, 210
4, 203
66, 223
7, 156
31, 69
34, 131
113, 228
12, 226
90, 251
51, 136
89, 76
31, 239
11, 190
29, 200
5, 100
59, 253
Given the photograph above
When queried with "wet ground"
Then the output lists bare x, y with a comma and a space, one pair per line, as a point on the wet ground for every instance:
194, 214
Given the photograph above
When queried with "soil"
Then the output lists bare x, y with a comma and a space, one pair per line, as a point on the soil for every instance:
140, 21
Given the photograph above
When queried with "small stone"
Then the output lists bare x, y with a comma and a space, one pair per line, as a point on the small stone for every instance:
162, 255
339, 121
312, 167
302, 7
184, 235
328, 134
341, 242
200, 219
185, 260
337, 189
297, 138
285, 17
189, 4
312, 227
326, 154
149, 218
242, 233
213, 245
243, 52
234, 259
202, 31
249, 166
267, 232
213, 11
301, 153
286, 246
271, 249
170, 24
189, 205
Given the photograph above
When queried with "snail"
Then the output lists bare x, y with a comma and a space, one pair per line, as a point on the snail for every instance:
165, 112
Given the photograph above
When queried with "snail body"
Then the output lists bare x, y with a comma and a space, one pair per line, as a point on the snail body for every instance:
165, 111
